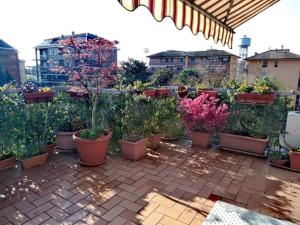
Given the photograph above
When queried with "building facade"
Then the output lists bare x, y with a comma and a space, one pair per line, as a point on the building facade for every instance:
281, 64
211, 62
9, 64
48, 56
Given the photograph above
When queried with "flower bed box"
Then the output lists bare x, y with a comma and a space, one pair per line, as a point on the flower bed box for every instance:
256, 98
164, 92
78, 95
244, 144
35, 161
38, 97
208, 92
150, 93
7, 163
133, 150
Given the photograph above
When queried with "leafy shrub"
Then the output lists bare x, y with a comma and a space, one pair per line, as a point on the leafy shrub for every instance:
162, 77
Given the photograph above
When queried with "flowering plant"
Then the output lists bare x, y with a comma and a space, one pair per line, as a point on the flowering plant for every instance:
204, 114
263, 86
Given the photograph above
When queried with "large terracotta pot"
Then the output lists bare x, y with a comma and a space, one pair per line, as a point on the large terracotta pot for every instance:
200, 139
7, 163
35, 161
256, 98
133, 150
295, 160
154, 141
243, 143
92, 152
38, 97
65, 140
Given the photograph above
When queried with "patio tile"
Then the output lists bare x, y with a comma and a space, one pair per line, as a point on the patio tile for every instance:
113, 213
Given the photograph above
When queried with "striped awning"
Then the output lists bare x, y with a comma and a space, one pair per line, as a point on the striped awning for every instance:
213, 18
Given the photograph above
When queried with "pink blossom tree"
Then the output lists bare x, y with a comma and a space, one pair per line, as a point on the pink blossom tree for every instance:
88, 62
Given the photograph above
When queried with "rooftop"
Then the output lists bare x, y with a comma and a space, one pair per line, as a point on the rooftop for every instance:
175, 184
275, 54
207, 53
4, 45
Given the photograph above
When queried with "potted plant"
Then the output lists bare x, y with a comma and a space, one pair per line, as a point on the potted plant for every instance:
259, 93
78, 93
33, 94
135, 127
279, 158
182, 91
203, 89
295, 158
172, 128
203, 116
7, 159
92, 71
149, 90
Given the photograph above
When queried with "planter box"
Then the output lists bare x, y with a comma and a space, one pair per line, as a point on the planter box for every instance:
133, 150
65, 141
243, 143
295, 160
208, 92
50, 149
78, 95
35, 161
256, 98
150, 93
7, 163
154, 141
92, 152
280, 162
164, 92
201, 139
30, 98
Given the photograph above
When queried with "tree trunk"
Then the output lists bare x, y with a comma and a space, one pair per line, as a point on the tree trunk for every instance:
94, 110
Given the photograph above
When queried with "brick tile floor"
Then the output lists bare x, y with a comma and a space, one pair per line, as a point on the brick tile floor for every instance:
175, 184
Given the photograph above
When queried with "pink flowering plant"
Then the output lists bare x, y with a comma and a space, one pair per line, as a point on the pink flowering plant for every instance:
88, 62
203, 114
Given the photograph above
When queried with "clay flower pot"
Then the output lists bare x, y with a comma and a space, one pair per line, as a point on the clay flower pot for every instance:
7, 163
50, 149
154, 141
92, 152
201, 139
243, 143
150, 93
208, 92
295, 160
38, 97
65, 141
182, 92
35, 161
133, 150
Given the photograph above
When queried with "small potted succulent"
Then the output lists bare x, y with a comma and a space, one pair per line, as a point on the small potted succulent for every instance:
295, 158
135, 127
33, 94
203, 116
203, 89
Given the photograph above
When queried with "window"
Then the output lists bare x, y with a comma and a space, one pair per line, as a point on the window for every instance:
61, 62
276, 64
193, 60
171, 60
225, 59
181, 60
166, 60
265, 64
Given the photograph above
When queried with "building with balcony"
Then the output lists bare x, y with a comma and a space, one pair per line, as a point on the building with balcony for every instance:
9, 64
212, 61
48, 56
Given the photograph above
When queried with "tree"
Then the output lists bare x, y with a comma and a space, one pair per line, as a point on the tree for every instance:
162, 77
187, 74
134, 70
88, 65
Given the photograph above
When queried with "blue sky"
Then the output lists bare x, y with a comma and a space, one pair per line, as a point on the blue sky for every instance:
24, 24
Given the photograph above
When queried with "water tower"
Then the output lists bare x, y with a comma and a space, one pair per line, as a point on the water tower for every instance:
245, 43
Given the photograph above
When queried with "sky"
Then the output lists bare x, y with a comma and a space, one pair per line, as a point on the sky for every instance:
26, 23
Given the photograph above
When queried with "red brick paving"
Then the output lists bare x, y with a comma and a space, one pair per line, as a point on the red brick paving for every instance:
176, 184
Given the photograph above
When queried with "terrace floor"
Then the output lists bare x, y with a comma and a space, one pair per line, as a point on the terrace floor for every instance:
176, 184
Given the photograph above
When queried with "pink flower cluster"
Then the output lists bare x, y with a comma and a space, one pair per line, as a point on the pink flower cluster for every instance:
203, 113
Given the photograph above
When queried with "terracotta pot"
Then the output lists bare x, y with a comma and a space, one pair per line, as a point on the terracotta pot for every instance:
38, 97
164, 92
243, 143
133, 150
7, 163
200, 139
35, 161
150, 93
92, 152
295, 160
256, 98
154, 141
50, 149
65, 140
281, 162
208, 92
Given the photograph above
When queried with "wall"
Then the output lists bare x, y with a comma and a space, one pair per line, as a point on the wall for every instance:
287, 72
9, 62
